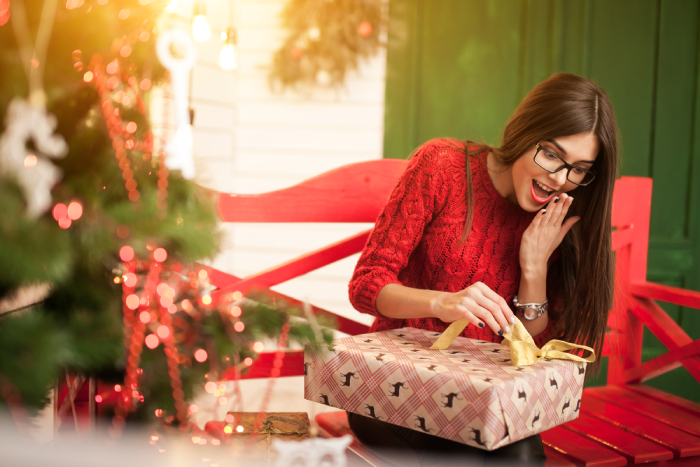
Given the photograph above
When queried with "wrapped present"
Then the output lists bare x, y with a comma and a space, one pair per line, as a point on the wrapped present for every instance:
250, 441
469, 391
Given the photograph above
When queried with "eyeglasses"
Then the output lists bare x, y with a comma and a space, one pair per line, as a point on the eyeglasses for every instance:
553, 163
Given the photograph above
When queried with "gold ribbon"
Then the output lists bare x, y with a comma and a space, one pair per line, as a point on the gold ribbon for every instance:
269, 429
523, 350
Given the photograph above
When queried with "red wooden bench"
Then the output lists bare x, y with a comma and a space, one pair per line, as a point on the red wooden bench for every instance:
622, 423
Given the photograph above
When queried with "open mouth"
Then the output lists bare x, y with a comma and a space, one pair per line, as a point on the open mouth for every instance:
540, 192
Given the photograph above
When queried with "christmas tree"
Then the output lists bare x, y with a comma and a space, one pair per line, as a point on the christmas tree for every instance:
91, 216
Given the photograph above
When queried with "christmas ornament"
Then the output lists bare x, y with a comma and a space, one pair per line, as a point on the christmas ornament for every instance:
315, 452
35, 173
179, 149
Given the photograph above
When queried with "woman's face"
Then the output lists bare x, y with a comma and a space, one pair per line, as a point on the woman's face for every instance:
534, 187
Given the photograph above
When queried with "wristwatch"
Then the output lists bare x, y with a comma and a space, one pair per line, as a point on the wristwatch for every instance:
530, 311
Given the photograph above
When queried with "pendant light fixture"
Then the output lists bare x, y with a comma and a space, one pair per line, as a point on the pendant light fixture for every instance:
200, 27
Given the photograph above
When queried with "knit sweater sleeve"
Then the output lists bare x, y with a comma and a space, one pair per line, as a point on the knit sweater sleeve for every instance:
420, 193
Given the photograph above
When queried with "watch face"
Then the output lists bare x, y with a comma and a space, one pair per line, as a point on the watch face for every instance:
530, 313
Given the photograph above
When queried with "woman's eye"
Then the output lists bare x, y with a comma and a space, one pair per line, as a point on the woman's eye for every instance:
551, 155
578, 171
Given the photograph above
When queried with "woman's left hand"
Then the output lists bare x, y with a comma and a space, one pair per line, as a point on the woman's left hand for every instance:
545, 233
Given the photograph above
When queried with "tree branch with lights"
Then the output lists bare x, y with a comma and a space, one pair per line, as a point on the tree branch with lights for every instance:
90, 210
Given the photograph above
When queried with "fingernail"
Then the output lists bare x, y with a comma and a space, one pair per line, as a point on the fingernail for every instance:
512, 320
544, 211
481, 325
556, 200
507, 329
500, 332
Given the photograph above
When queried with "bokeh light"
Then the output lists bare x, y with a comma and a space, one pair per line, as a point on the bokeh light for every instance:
194, 408
132, 302
126, 253
239, 429
258, 347
222, 401
75, 210
236, 311
145, 316
248, 361
130, 279
30, 161
163, 332
237, 295
152, 341
59, 211
228, 430
200, 355
206, 299
202, 274
239, 326
160, 255
87, 77
98, 398
210, 387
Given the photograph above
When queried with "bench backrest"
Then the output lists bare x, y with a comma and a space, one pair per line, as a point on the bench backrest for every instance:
357, 193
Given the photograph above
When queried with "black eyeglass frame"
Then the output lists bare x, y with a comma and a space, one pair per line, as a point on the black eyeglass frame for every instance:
565, 165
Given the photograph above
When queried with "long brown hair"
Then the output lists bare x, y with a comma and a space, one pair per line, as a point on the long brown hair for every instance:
564, 105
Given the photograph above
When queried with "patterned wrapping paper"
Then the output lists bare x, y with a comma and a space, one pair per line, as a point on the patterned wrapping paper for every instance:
469, 393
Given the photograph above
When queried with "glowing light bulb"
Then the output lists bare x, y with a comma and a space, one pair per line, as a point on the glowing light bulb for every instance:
200, 27
227, 56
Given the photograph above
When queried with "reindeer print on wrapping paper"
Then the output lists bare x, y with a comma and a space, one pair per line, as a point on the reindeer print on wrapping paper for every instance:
578, 405
450, 398
324, 400
347, 377
581, 369
454, 352
379, 357
567, 404
306, 367
522, 394
370, 410
535, 419
477, 437
553, 382
401, 335
432, 368
421, 424
397, 388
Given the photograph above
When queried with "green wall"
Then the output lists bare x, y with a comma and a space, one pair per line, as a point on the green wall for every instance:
459, 68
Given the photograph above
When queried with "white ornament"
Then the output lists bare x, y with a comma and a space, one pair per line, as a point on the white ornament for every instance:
36, 175
179, 149
314, 452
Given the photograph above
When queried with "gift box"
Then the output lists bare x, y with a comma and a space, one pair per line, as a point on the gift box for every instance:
252, 432
469, 392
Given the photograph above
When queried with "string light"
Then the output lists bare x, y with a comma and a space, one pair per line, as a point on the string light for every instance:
200, 27
227, 57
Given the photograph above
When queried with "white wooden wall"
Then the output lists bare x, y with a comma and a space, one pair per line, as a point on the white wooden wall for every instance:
250, 140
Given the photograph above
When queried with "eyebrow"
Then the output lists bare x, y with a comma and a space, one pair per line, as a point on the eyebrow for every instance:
554, 142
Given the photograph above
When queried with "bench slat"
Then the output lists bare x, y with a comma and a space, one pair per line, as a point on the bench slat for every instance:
652, 408
662, 396
635, 448
581, 450
680, 443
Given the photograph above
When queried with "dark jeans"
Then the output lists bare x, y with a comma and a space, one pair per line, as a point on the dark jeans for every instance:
408, 448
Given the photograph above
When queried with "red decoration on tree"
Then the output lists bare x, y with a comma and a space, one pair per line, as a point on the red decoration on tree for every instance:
365, 29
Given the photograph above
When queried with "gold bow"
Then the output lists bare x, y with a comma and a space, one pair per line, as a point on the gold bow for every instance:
523, 350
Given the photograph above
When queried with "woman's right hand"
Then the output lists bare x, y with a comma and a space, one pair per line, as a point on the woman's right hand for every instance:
478, 304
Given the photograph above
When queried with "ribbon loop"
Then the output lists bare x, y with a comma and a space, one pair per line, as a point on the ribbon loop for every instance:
523, 350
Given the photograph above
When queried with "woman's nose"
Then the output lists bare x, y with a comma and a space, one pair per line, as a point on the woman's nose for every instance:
559, 177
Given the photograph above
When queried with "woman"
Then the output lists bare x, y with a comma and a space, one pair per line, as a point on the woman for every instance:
470, 229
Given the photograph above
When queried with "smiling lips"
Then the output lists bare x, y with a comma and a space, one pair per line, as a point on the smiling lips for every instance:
539, 194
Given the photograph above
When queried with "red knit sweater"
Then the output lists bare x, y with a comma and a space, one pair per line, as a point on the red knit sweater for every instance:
415, 241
